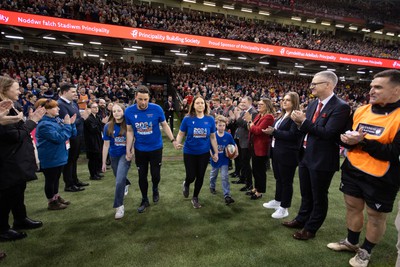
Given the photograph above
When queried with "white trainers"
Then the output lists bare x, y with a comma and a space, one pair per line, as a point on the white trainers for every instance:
343, 245
126, 190
280, 213
272, 204
119, 213
361, 259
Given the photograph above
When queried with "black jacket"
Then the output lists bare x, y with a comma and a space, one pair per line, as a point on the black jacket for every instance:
17, 158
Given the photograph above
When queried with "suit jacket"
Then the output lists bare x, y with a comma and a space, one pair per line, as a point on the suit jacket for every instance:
93, 130
287, 143
260, 141
242, 133
167, 107
71, 109
322, 151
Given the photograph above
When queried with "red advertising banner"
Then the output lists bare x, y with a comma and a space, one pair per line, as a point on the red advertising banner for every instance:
107, 30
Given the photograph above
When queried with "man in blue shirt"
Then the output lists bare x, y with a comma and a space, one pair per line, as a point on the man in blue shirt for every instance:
143, 120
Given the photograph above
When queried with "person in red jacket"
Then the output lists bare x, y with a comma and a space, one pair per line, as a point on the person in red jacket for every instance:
259, 145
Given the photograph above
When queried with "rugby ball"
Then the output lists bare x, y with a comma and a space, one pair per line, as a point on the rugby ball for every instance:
230, 151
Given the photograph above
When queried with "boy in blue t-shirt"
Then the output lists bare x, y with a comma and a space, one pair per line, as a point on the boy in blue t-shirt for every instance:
223, 139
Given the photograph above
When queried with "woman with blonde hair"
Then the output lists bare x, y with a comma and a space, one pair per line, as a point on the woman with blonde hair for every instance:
17, 162
259, 146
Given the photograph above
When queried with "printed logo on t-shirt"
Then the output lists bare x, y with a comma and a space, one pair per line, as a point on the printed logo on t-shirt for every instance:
200, 132
120, 141
221, 148
144, 128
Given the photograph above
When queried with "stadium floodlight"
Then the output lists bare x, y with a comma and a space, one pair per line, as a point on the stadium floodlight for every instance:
208, 3
365, 30
225, 58
248, 10
323, 67
175, 51
186, 63
14, 37
390, 34
299, 66
326, 23
190, 1
129, 49
181, 54
311, 21
137, 47
59, 52
243, 58
228, 7
282, 72
378, 32
75, 43
353, 28
265, 13
95, 43
156, 60
234, 68
264, 62
93, 55
331, 69
339, 26
212, 66
296, 18
361, 72
210, 55
49, 37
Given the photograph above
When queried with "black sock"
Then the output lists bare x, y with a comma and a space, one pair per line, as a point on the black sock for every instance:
368, 246
353, 237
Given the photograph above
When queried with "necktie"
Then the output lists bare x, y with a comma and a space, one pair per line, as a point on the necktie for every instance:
316, 114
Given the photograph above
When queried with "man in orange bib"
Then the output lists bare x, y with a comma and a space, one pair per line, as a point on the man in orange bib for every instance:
371, 171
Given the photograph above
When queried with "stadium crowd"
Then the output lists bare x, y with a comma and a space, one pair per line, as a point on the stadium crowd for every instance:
197, 23
41, 75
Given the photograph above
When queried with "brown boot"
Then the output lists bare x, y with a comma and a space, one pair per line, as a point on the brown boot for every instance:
63, 201
56, 205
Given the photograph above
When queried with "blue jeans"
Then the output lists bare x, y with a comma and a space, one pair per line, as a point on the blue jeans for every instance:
225, 179
120, 167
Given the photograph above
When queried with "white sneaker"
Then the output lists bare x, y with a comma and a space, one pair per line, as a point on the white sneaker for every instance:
361, 259
126, 190
272, 204
280, 213
119, 213
343, 245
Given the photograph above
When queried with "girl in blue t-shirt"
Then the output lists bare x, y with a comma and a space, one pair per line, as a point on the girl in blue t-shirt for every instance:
115, 143
199, 129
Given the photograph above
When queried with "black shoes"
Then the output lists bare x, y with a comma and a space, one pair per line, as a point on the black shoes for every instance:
27, 224
240, 181
81, 184
143, 206
101, 175
185, 190
212, 191
246, 188
11, 235
95, 178
73, 188
234, 175
229, 200
156, 196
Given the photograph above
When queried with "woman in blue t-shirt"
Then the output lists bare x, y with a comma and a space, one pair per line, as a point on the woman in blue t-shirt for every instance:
115, 143
199, 129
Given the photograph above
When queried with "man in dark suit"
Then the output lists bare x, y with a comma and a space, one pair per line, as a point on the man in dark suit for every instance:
169, 109
324, 121
68, 106
242, 133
